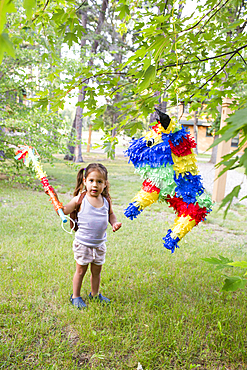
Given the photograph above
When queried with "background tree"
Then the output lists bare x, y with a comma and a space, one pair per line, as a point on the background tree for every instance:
92, 34
31, 38
180, 56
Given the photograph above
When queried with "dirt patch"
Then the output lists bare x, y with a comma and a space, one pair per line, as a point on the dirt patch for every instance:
3, 177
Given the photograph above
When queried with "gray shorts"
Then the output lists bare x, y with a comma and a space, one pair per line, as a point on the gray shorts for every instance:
85, 255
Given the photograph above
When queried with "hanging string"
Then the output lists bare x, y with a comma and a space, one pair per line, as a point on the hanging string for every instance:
176, 52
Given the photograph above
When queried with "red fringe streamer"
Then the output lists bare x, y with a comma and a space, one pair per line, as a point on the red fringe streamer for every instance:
50, 191
24, 154
182, 208
149, 187
156, 127
45, 183
184, 147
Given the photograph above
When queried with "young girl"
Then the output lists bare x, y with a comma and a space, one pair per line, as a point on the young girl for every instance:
93, 216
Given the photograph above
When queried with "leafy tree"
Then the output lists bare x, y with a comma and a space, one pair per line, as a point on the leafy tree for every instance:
182, 57
30, 47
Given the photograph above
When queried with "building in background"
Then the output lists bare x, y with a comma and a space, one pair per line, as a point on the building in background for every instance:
204, 136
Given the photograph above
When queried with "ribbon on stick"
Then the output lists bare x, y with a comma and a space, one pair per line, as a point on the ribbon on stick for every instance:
30, 155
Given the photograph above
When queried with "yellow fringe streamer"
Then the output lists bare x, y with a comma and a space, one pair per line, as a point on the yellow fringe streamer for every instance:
182, 225
145, 199
151, 134
39, 171
170, 128
157, 134
185, 164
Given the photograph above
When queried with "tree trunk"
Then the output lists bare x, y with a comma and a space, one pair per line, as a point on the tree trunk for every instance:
99, 27
71, 147
75, 152
196, 130
118, 60
114, 121
232, 18
89, 138
154, 115
214, 152
79, 111
81, 98
213, 157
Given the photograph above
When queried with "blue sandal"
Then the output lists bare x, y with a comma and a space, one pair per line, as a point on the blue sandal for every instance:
100, 298
78, 302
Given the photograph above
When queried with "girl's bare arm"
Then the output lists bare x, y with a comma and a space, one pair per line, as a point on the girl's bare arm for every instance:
70, 207
113, 219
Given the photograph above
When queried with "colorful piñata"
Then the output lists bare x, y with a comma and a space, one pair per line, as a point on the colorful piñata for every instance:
165, 160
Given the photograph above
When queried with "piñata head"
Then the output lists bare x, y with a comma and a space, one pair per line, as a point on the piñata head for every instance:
165, 160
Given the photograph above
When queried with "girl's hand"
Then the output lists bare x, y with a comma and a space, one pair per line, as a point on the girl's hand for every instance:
116, 226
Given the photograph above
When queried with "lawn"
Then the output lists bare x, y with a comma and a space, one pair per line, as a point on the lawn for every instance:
167, 312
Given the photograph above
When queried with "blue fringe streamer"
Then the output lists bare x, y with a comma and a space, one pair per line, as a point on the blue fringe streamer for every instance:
188, 187
170, 243
177, 136
141, 155
132, 211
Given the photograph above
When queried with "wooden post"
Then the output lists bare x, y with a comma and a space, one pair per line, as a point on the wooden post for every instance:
89, 138
223, 149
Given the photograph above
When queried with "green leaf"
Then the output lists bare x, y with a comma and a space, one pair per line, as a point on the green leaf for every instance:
227, 157
69, 38
243, 198
220, 262
148, 78
228, 165
61, 29
123, 11
6, 46
229, 198
99, 124
235, 123
243, 159
43, 103
59, 16
158, 45
242, 264
6, 6
140, 53
146, 63
29, 6
234, 283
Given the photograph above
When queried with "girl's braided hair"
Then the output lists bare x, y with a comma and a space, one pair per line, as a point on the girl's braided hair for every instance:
84, 172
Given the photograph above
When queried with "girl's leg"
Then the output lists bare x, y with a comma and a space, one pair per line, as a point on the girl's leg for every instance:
77, 279
95, 278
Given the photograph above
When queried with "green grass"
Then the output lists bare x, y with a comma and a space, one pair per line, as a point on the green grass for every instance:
167, 311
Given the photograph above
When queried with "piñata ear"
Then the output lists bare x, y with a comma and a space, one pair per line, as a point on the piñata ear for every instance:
164, 119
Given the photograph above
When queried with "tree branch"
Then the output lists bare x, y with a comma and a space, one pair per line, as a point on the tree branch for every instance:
165, 6
37, 15
127, 83
191, 28
242, 58
217, 72
212, 17
240, 29
203, 60
79, 7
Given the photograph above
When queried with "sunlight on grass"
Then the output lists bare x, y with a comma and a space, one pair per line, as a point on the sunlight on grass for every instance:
167, 311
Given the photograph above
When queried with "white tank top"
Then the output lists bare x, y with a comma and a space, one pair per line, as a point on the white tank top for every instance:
92, 224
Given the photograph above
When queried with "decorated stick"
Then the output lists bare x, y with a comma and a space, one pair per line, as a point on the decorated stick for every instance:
29, 154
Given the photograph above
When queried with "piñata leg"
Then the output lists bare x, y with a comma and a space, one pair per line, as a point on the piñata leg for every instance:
144, 198
189, 215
